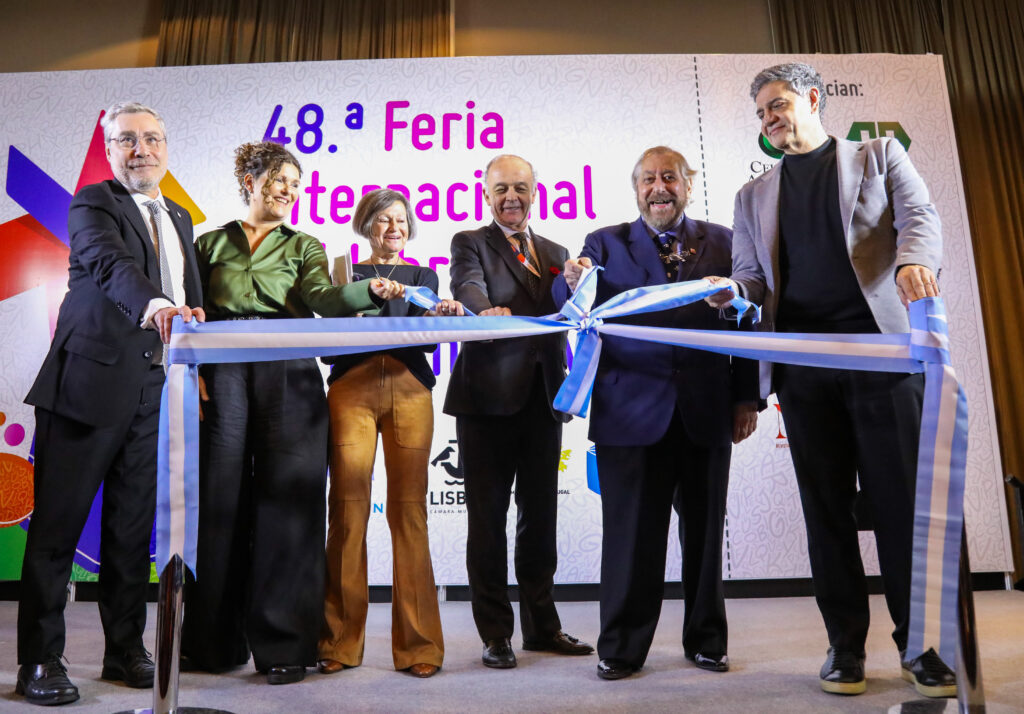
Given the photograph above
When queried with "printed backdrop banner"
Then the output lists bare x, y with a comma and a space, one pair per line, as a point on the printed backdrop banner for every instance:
428, 127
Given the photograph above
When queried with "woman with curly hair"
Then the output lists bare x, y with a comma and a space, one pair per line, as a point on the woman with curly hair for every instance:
263, 466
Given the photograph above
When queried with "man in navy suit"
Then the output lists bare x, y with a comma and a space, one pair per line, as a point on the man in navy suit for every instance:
97, 397
664, 420
500, 394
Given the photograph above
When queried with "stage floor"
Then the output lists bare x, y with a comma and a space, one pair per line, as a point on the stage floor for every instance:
776, 648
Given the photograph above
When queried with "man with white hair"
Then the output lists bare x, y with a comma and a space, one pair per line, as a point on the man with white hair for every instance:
132, 269
664, 420
509, 435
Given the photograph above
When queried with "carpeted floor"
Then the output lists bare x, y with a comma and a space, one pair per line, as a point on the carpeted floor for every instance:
776, 647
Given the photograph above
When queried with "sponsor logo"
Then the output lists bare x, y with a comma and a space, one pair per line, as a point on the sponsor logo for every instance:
592, 483
864, 130
441, 500
781, 440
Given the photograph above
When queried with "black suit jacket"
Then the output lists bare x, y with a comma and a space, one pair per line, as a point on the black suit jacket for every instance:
638, 383
494, 377
99, 356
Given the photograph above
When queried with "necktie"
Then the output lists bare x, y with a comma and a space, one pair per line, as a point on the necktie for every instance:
666, 243
521, 244
166, 284
521, 247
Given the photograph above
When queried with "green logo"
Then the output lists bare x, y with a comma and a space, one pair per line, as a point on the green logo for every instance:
864, 130
767, 148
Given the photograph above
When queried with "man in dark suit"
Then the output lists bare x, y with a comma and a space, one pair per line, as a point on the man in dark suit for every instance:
97, 397
501, 394
839, 237
664, 420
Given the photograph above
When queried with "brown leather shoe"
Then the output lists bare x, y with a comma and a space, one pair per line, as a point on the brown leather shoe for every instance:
329, 666
423, 670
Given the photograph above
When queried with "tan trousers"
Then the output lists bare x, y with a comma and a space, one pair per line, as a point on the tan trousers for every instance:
380, 395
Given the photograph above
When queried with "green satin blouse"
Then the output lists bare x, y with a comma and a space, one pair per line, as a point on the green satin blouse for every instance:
287, 276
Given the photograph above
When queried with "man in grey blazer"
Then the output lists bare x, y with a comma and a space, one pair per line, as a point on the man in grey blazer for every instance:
500, 394
839, 237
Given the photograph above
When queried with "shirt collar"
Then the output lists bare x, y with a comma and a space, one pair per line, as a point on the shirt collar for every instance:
142, 199
512, 231
673, 230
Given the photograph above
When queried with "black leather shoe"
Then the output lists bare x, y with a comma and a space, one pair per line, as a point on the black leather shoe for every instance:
498, 654
46, 683
134, 667
929, 674
286, 674
712, 663
559, 643
615, 669
843, 673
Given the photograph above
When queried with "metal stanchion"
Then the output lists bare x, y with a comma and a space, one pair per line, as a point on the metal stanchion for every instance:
168, 645
970, 694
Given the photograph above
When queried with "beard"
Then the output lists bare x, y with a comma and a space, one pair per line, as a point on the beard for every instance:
665, 221
136, 182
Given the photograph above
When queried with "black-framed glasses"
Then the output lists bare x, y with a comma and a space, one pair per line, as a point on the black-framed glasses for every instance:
130, 141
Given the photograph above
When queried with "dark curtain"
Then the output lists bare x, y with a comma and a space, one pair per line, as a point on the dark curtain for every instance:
982, 43
241, 31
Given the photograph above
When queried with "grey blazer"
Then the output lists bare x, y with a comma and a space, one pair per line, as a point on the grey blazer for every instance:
889, 221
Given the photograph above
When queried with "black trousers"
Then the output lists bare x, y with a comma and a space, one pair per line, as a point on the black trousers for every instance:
262, 488
497, 451
638, 484
845, 427
72, 460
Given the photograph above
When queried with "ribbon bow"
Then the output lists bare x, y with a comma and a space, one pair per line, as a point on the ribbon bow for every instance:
574, 395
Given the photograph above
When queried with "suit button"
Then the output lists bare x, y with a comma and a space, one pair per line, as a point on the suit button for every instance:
148, 354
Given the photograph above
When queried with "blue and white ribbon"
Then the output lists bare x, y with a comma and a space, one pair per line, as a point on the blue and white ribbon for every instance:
939, 501
574, 395
941, 465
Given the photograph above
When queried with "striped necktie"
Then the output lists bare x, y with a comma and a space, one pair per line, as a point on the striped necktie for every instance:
166, 284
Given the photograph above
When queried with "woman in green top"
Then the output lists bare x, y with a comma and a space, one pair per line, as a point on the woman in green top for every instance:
263, 466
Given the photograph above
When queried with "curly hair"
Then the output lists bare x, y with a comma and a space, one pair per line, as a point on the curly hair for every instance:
256, 158
799, 76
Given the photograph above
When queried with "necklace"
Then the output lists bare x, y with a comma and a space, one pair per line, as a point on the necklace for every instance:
383, 277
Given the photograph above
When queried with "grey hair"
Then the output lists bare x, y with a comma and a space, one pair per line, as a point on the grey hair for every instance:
376, 202
533, 173
685, 169
799, 77
116, 110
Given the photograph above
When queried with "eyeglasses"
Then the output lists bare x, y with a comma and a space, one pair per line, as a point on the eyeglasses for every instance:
130, 141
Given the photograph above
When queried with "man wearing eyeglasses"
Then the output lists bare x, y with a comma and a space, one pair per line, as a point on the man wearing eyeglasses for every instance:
132, 269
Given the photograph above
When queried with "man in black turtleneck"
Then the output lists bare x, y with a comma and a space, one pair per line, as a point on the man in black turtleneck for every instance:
839, 237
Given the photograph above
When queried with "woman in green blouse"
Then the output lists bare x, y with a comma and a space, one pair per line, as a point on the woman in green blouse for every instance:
263, 466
